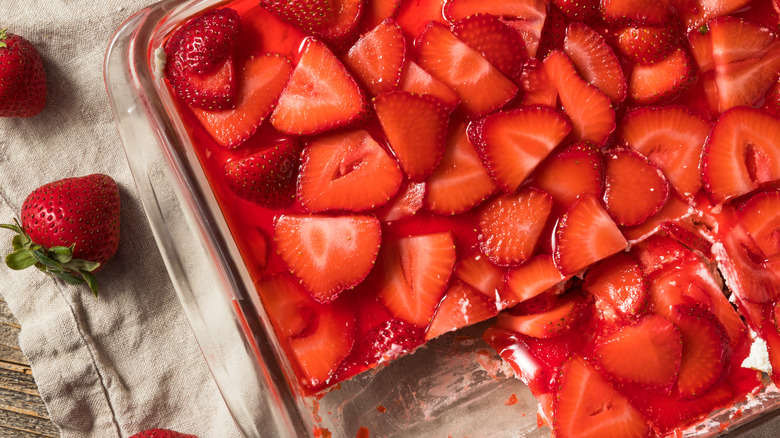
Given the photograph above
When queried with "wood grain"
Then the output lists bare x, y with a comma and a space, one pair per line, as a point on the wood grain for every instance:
22, 412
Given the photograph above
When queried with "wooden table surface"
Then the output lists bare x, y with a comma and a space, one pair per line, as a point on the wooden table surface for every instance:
22, 412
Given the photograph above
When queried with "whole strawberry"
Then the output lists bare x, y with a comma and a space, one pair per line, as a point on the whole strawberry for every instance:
69, 229
161, 433
22, 80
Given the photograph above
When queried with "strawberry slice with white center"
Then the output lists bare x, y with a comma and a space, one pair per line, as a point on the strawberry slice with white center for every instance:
741, 153
647, 353
460, 181
481, 87
634, 187
619, 287
590, 110
259, 86
647, 44
672, 138
536, 85
704, 343
511, 144
662, 80
290, 308
584, 235
510, 225
595, 61
697, 12
760, 216
328, 254
416, 128
461, 306
577, 170
533, 277
321, 94
347, 171
747, 61
266, 177
587, 406
497, 42
415, 271
377, 58
746, 270
477, 271
567, 312
407, 202
416, 80
636, 11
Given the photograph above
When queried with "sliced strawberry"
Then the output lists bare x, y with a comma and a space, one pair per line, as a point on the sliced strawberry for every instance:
266, 177
658, 252
416, 80
578, 10
415, 272
566, 314
533, 277
386, 342
320, 95
377, 58
700, 43
347, 171
342, 31
618, 285
477, 271
290, 307
636, 11
648, 353
772, 100
460, 181
586, 406
525, 16
747, 61
319, 351
697, 12
634, 188
511, 144
328, 254
747, 272
704, 344
536, 85
261, 81
590, 110
307, 15
416, 128
481, 87
741, 153
585, 235
760, 216
595, 61
377, 11
510, 226
647, 44
663, 80
675, 209
672, 138
461, 306
553, 32
577, 170
407, 202
501, 45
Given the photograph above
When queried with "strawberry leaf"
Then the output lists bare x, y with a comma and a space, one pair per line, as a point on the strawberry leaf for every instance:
61, 254
20, 259
91, 281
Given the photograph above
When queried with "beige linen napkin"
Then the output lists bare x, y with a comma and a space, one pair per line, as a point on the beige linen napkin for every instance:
128, 361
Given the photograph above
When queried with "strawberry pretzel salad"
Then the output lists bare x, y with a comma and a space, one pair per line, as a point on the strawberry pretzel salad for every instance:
597, 178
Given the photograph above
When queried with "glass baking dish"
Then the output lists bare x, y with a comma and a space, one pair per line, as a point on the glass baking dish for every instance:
455, 385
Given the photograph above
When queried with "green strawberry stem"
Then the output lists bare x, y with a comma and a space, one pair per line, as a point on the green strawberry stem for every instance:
3, 37
56, 261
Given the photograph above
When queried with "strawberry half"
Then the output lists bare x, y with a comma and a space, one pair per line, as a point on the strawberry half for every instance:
307, 15
619, 287
347, 171
415, 271
584, 235
704, 343
512, 143
586, 406
564, 316
460, 182
634, 188
741, 153
290, 307
418, 81
342, 32
595, 61
320, 95
328, 254
510, 226
377, 58
22, 77
577, 170
481, 87
416, 128
266, 177
461, 306
647, 44
501, 45
672, 138
760, 216
662, 80
477, 271
533, 277
647, 353
536, 85
590, 110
